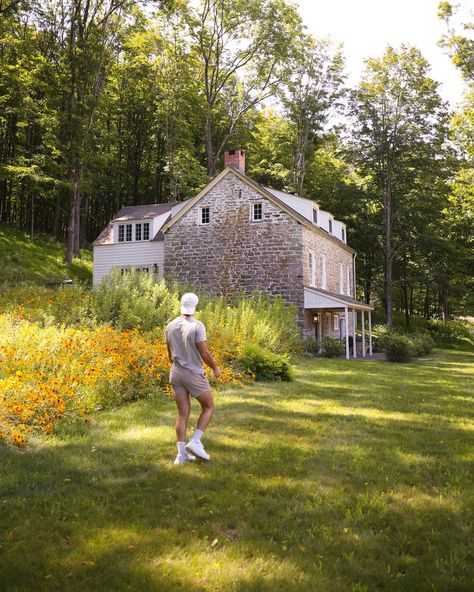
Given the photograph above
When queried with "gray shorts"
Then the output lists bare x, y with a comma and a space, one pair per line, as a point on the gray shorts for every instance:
183, 381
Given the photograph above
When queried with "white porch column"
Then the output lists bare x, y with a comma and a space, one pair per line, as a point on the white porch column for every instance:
370, 332
320, 328
346, 330
354, 327
363, 334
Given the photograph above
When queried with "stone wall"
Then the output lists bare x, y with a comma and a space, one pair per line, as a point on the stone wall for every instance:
232, 252
335, 254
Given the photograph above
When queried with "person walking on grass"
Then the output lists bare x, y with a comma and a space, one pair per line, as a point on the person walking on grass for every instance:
187, 350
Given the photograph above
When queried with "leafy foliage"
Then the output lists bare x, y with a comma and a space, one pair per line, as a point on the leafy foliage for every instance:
264, 364
330, 348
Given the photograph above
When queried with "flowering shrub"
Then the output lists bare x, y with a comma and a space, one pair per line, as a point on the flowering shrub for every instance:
45, 305
50, 373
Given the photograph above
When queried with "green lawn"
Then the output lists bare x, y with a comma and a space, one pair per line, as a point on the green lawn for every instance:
358, 476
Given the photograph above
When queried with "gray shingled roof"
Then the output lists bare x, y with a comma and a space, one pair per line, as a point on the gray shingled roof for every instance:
106, 237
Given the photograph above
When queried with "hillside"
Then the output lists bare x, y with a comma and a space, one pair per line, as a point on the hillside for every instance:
38, 261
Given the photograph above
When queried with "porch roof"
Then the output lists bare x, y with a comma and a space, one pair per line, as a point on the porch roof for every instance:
314, 298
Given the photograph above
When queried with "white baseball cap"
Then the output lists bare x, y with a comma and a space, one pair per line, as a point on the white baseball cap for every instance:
188, 303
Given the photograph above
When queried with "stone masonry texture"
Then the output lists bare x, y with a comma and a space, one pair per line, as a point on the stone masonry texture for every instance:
234, 253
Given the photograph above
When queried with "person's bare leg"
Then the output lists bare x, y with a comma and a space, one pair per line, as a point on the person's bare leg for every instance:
184, 409
206, 401
207, 405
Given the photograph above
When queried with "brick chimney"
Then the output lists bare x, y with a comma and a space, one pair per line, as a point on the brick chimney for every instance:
235, 158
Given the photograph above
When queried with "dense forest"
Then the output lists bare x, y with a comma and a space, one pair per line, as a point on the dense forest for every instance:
106, 103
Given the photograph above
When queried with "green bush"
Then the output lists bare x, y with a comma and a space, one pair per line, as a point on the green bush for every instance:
422, 343
331, 348
311, 346
399, 348
256, 318
428, 342
264, 364
449, 330
134, 299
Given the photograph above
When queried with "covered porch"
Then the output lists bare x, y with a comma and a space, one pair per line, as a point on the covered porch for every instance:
338, 316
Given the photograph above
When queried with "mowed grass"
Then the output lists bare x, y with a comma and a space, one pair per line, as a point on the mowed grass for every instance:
39, 261
356, 477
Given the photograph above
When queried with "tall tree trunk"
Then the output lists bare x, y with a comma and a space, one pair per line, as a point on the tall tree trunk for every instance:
388, 256
211, 164
72, 247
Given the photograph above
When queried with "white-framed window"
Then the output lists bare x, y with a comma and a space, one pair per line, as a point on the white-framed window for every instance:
312, 268
257, 212
330, 225
322, 271
315, 215
129, 268
204, 215
343, 234
138, 232
341, 278
349, 285
336, 322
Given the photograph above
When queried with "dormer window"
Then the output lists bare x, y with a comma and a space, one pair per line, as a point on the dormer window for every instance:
330, 225
257, 212
138, 231
315, 215
204, 215
343, 234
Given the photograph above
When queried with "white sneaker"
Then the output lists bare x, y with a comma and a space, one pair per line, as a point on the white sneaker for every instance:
198, 449
183, 458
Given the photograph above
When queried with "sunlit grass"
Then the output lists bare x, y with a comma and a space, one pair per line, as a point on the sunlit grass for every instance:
356, 477
38, 261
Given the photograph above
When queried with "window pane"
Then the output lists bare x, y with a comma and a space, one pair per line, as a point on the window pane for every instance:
129, 232
138, 232
146, 231
330, 226
315, 215
121, 233
205, 216
257, 211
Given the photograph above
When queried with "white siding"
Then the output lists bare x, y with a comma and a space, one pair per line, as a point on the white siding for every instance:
337, 230
137, 254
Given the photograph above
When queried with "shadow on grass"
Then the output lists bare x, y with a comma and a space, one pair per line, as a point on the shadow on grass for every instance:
310, 488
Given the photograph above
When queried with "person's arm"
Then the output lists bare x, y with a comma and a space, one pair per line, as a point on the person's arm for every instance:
207, 358
169, 352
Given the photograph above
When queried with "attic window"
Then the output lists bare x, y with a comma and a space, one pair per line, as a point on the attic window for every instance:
205, 216
121, 233
330, 226
128, 235
146, 231
138, 232
343, 234
257, 212
315, 215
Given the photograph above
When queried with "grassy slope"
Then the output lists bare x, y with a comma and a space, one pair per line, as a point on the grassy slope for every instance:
42, 260
357, 477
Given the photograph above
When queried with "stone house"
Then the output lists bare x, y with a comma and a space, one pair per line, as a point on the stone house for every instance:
236, 234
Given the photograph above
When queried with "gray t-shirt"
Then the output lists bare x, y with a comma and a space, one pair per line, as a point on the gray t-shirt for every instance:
182, 334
